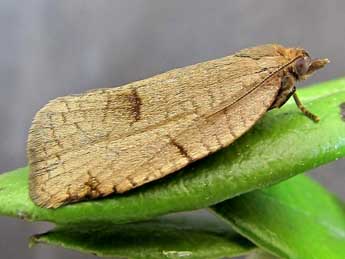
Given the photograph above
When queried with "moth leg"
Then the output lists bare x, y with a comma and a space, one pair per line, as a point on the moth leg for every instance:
286, 90
306, 112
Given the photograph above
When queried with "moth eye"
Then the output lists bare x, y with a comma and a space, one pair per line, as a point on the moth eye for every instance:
302, 65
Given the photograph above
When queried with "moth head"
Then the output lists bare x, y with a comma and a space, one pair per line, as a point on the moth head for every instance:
304, 66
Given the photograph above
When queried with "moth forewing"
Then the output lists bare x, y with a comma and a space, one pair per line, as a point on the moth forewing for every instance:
115, 139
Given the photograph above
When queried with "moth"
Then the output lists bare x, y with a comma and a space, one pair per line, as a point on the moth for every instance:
112, 140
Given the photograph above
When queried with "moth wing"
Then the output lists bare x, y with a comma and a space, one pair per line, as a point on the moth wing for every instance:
113, 140
204, 136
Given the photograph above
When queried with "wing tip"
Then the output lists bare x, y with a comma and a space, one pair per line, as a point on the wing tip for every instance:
42, 201
34, 154
40, 197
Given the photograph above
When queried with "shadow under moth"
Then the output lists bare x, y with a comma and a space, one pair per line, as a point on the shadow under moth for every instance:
112, 140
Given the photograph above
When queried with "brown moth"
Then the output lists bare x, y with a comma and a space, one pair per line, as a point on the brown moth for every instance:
115, 139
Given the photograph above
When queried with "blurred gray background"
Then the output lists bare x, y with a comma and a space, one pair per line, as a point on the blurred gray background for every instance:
54, 48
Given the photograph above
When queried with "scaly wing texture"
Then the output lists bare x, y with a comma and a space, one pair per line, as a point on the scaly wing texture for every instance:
115, 139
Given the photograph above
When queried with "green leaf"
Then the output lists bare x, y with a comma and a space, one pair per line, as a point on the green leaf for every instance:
283, 144
297, 218
178, 236
259, 254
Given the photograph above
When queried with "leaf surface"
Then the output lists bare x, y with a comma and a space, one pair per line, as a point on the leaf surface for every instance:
297, 218
178, 236
283, 144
